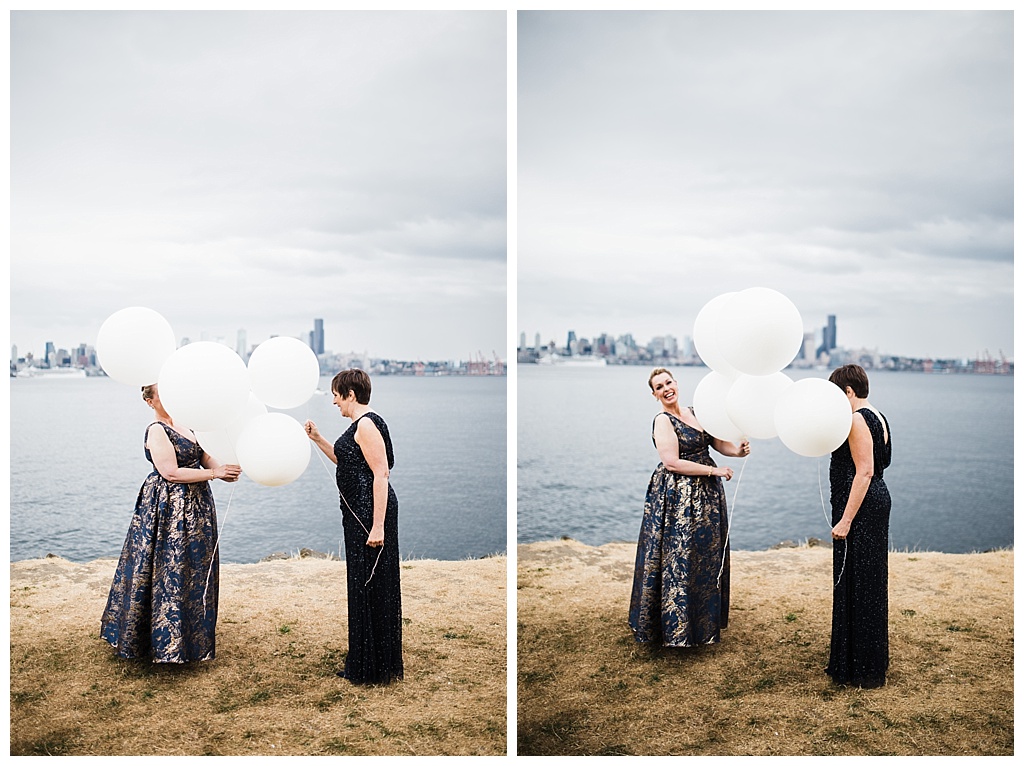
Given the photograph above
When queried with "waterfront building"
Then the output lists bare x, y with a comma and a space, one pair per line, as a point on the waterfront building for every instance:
318, 337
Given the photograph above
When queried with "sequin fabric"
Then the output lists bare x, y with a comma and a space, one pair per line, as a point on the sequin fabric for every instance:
373, 579
679, 598
859, 652
163, 599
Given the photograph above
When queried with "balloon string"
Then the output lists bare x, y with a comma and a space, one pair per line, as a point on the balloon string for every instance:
728, 520
846, 548
373, 571
216, 548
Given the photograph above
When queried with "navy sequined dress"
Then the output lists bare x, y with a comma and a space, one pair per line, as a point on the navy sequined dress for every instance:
374, 587
681, 578
163, 599
859, 654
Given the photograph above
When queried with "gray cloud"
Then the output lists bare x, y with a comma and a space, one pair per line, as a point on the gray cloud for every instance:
859, 162
242, 168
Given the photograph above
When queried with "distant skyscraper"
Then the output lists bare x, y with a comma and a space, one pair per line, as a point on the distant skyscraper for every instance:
570, 344
240, 344
830, 328
318, 336
536, 341
522, 340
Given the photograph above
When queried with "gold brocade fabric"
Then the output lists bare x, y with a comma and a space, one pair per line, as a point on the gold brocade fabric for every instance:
681, 580
163, 600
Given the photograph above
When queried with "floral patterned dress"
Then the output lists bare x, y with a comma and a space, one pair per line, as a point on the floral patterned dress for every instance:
681, 579
163, 600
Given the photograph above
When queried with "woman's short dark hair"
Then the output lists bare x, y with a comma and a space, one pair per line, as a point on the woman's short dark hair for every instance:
354, 380
654, 373
851, 375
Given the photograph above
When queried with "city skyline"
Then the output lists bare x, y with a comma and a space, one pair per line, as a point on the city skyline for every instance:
817, 332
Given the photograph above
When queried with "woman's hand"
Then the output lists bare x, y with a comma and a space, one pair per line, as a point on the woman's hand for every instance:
311, 430
376, 538
227, 472
842, 529
725, 473
744, 449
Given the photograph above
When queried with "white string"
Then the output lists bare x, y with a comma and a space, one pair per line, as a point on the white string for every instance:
846, 547
730, 511
216, 547
342, 494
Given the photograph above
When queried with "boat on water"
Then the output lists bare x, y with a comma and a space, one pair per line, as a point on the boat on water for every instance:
573, 361
52, 373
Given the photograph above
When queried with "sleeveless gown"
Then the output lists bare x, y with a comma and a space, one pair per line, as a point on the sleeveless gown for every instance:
374, 587
163, 599
681, 579
859, 653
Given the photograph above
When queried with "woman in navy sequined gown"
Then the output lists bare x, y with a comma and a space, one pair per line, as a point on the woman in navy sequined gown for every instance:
369, 509
859, 652
681, 580
163, 600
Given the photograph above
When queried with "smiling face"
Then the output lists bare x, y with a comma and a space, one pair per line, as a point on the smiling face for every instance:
664, 389
345, 403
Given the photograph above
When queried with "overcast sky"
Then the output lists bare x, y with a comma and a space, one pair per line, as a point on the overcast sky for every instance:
859, 163
255, 171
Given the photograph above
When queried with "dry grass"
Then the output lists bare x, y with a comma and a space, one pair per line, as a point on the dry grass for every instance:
586, 688
272, 689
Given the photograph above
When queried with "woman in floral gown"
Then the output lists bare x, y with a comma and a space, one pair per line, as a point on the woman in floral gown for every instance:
681, 579
163, 600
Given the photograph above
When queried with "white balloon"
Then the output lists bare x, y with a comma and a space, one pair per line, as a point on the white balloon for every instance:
751, 403
273, 449
221, 443
284, 372
705, 335
253, 409
761, 332
133, 344
709, 407
204, 385
813, 417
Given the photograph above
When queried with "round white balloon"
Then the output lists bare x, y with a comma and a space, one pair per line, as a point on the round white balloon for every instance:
284, 372
133, 344
709, 407
204, 385
751, 403
813, 417
705, 335
221, 443
760, 332
273, 449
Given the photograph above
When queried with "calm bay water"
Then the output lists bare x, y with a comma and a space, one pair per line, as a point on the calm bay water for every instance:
77, 463
585, 457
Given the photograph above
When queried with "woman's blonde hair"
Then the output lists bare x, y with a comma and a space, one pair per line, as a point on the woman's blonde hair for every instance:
148, 391
654, 373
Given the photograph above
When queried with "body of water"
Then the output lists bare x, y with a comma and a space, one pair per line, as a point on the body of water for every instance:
585, 457
77, 463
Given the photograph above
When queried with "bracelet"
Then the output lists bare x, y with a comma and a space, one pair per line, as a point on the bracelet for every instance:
711, 472
213, 474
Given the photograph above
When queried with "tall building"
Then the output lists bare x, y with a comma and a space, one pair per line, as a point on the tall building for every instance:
570, 344
240, 344
522, 340
318, 336
536, 342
